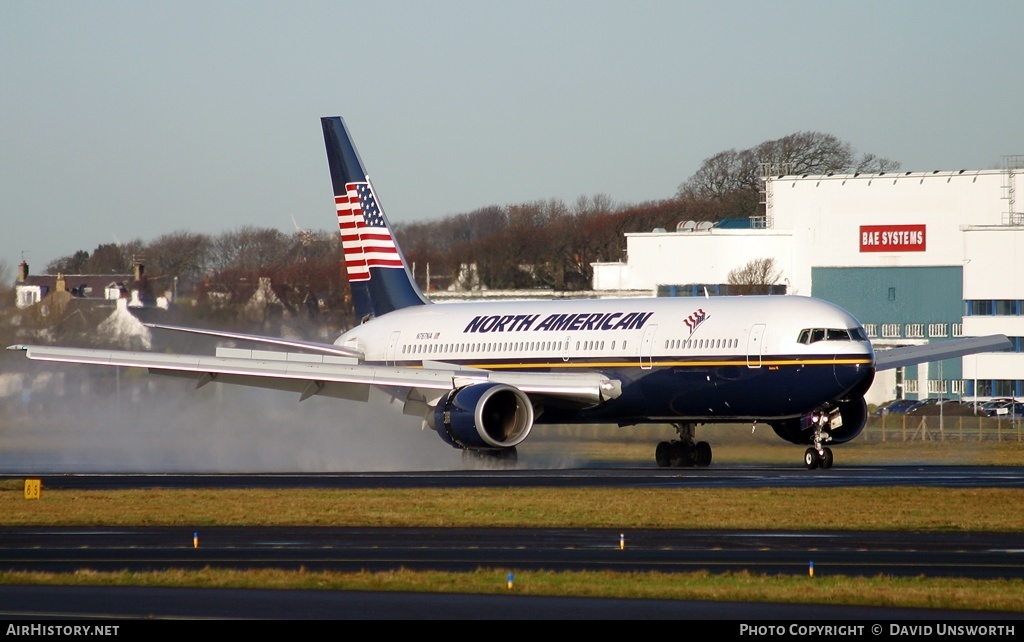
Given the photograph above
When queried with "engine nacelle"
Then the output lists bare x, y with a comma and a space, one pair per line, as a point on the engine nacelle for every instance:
484, 415
851, 419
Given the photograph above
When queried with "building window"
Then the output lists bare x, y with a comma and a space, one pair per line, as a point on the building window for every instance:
938, 329
999, 307
892, 294
1007, 308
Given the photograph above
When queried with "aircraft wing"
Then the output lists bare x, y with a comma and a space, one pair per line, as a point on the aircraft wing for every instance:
909, 355
336, 376
323, 348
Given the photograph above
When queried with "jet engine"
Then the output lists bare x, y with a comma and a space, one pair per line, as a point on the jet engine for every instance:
845, 421
484, 415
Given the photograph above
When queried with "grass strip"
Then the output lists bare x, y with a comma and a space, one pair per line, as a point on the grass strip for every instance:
859, 508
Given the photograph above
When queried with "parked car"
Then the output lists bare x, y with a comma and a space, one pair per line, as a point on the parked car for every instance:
897, 406
1006, 409
989, 407
946, 407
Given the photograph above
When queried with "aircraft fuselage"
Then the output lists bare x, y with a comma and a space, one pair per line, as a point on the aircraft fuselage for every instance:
679, 359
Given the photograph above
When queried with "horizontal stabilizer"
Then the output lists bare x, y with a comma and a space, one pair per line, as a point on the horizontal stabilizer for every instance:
910, 355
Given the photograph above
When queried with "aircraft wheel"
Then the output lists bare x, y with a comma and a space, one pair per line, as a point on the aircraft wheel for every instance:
689, 455
663, 454
703, 452
811, 459
826, 461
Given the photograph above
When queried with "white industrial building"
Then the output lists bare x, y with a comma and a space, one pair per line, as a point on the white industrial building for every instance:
916, 256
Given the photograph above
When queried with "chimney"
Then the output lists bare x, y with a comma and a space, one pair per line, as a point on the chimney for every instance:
61, 285
139, 269
22, 272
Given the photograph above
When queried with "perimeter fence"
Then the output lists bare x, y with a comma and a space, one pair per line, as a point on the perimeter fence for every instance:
900, 427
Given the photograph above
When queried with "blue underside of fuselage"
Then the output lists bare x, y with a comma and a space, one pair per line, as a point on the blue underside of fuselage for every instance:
709, 393
720, 394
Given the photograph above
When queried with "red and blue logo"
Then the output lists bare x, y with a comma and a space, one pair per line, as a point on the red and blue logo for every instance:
694, 320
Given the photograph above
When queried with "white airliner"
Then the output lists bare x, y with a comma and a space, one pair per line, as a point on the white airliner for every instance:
483, 374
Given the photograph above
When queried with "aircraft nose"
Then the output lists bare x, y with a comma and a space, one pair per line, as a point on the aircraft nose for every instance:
855, 376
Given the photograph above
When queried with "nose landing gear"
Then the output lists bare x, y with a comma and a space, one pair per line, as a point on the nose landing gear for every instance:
818, 458
819, 455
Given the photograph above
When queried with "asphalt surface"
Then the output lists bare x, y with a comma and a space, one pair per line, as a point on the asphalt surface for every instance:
978, 555
595, 476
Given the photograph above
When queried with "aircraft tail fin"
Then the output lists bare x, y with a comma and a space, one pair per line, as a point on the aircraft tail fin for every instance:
378, 273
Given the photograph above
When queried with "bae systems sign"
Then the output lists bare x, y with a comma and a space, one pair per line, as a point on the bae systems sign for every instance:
892, 238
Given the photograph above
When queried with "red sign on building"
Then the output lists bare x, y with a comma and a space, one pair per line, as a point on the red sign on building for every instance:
892, 238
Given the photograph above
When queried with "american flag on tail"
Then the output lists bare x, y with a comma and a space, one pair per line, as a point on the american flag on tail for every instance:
695, 319
365, 236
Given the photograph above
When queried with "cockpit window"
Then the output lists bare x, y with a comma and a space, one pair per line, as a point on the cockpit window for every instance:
857, 334
813, 335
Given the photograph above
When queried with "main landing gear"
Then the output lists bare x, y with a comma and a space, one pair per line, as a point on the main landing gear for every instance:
683, 451
818, 455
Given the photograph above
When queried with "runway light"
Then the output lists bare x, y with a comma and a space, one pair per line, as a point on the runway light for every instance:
195, 540
810, 570
510, 581
622, 541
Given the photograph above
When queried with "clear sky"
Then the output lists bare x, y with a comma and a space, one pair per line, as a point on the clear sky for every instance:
128, 120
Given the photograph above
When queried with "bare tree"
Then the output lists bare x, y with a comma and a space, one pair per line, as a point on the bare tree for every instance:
250, 248
6, 281
734, 178
70, 264
756, 277
180, 254
873, 164
108, 258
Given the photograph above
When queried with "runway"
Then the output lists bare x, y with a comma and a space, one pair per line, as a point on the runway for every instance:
974, 555
859, 553
598, 475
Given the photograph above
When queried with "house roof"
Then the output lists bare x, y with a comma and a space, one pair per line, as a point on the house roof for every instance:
89, 286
